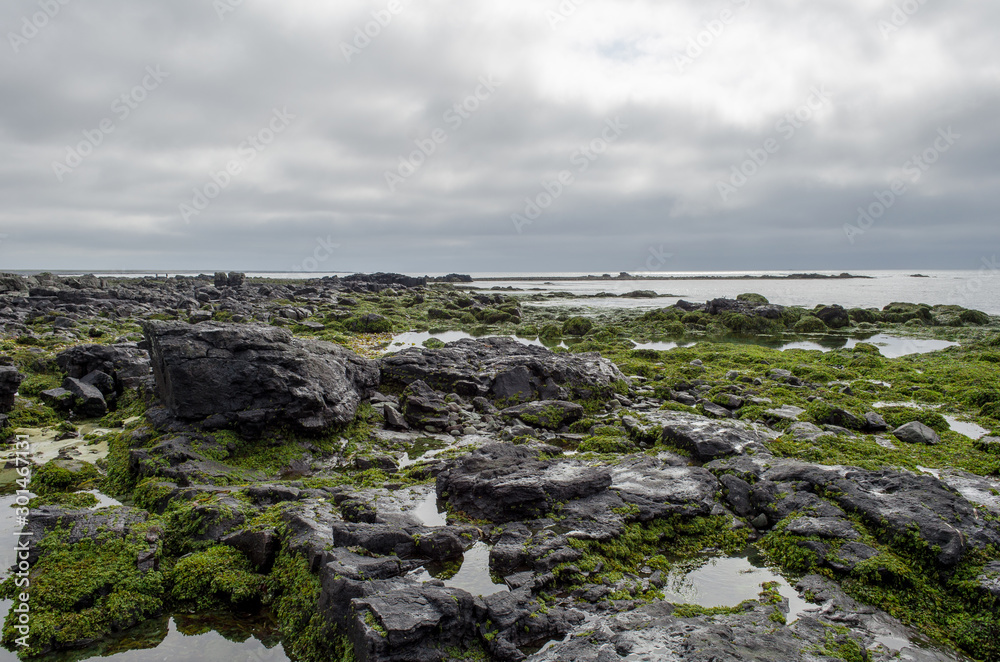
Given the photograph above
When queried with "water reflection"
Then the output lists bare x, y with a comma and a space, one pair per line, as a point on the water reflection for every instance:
473, 575
728, 581
201, 638
889, 346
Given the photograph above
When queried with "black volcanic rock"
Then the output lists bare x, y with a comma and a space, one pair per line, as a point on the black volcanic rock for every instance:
504, 483
502, 368
258, 374
10, 380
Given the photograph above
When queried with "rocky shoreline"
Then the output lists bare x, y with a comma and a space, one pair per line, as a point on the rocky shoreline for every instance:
271, 457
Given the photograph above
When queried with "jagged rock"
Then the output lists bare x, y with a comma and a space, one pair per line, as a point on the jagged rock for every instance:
822, 527
659, 490
549, 414
415, 623
706, 438
900, 502
367, 568
989, 579
423, 406
393, 418
502, 368
504, 483
128, 365
376, 538
309, 526
88, 400
875, 423
803, 431
358, 511
849, 556
737, 495
916, 432
261, 547
10, 380
717, 410
256, 374
654, 632
271, 495
840, 418
175, 459
785, 413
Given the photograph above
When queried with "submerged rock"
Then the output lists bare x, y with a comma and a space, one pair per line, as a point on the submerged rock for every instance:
256, 375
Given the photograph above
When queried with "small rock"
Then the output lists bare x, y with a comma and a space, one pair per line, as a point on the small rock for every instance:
875, 423
916, 432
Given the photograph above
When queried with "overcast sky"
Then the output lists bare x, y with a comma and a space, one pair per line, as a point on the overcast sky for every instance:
523, 135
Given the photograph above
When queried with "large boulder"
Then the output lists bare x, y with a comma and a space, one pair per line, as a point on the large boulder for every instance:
504, 369
247, 374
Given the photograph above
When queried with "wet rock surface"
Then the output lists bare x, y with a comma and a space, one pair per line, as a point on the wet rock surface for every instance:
502, 368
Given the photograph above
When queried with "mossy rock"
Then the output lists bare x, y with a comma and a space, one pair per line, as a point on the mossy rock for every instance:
754, 298
551, 332
975, 317
603, 444
216, 578
60, 476
577, 326
863, 316
370, 323
899, 416
810, 324
748, 324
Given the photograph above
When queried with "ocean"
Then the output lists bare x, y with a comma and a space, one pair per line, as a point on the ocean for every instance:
977, 289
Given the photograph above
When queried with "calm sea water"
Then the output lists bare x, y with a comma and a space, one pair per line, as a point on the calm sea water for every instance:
978, 289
